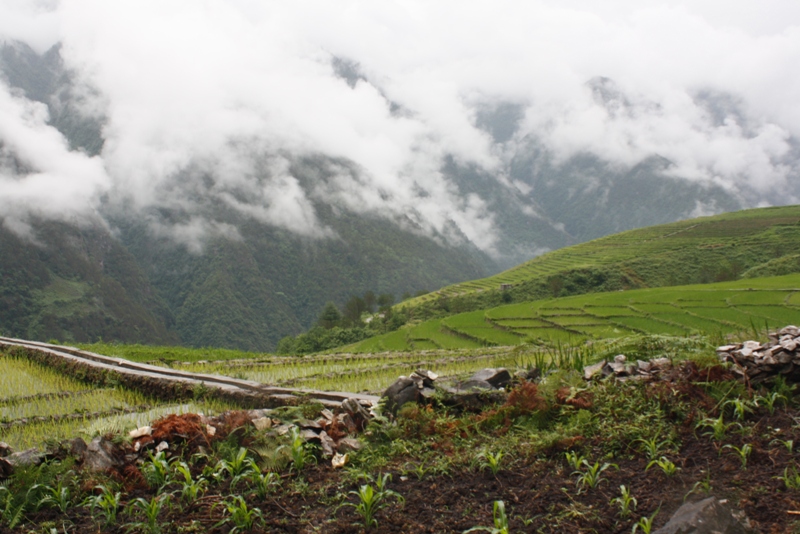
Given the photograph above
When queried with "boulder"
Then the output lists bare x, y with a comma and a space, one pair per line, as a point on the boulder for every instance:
101, 455
403, 390
709, 516
497, 378
29, 457
5, 449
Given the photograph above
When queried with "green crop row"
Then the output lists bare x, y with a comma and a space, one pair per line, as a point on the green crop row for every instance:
709, 309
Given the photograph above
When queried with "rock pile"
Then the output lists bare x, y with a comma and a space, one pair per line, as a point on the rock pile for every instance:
623, 370
760, 362
486, 385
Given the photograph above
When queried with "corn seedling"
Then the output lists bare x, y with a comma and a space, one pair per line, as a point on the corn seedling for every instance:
718, 427
591, 477
701, 485
190, 489
499, 518
237, 466
265, 483
743, 452
491, 461
149, 512
653, 448
645, 523
300, 452
740, 408
790, 479
667, 466
788, 443
240, 515
58, 496
626, 502
370, 500
574, 459
770, 400
105, 505
157, 471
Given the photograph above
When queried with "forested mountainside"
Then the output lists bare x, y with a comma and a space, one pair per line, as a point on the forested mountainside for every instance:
251, 281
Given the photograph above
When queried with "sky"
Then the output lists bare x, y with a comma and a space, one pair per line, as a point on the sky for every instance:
237, 90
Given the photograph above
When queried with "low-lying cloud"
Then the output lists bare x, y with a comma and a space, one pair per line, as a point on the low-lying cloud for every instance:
212, 102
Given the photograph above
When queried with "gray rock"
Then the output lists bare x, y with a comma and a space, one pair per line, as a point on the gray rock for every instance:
590, 371
790, 330
348, 445
497, 378
402, 391
5, 449
101, 455
29, 457
327, 444
708, 516
77, 448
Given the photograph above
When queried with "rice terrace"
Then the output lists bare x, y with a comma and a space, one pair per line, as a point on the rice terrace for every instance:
601, 409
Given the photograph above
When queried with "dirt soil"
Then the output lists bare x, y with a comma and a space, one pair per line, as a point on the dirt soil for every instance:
539, 491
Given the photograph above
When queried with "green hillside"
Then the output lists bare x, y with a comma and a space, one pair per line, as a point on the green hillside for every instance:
710, 309
724, 247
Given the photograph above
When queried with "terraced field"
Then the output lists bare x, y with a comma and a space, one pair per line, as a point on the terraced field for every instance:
711, 309
749, 238
39, 404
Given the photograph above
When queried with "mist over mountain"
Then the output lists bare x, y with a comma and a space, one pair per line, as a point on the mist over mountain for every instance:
255, 160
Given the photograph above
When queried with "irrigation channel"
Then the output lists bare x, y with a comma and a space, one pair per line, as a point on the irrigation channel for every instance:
159, 379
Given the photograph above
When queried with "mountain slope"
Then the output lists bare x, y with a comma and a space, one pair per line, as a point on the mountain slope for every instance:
701, 250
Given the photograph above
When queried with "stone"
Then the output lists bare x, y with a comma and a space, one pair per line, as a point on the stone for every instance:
497, 378
27, 457
790, 345
327, 414
140, 432
727, 348
327, 444
402, 391
348, 445
262, 423
101, 455
590, 371
307, 423
211, 430
620, 358
339, 460
752, 345
790, 330
77, 448
161, 447
708, 516
309, 435
5, 449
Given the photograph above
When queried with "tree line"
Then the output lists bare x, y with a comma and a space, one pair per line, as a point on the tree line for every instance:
362, 316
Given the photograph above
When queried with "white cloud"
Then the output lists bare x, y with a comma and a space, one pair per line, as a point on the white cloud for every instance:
217, 88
